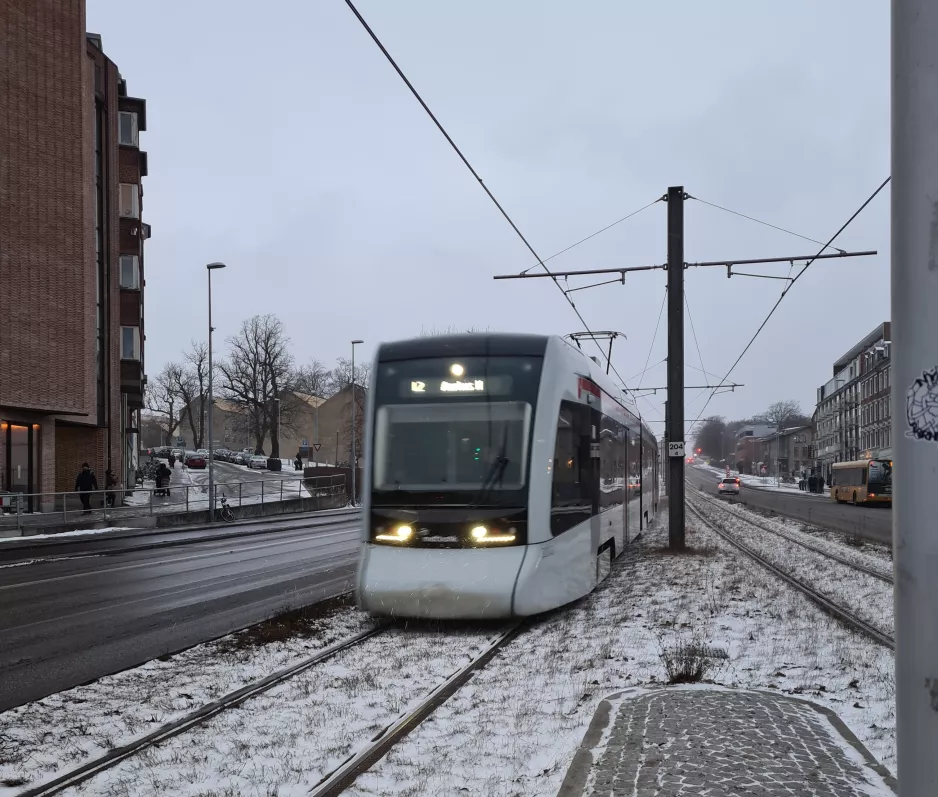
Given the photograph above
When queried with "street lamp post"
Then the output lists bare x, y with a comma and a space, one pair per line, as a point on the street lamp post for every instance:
279, 452
211, 398
352, 462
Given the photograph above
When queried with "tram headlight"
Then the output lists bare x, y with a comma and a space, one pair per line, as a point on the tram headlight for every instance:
483, 535
400, 533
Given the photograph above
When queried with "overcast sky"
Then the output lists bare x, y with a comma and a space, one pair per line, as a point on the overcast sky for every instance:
281, 142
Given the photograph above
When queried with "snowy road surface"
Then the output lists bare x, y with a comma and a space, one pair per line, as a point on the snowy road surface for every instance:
871, 522
66, 620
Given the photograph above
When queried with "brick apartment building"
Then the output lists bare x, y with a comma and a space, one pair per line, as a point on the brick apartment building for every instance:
71, 253
854, 410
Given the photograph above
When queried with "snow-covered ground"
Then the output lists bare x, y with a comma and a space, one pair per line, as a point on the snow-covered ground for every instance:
74, 533
285, 740
45, 739
872, 555
514, 728
867, 597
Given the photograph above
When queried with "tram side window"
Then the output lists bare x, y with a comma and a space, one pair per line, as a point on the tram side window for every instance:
572, 489
613, 482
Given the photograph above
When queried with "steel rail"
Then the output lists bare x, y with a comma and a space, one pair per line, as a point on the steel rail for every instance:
358, 763
91, 768
826, 604
757, 522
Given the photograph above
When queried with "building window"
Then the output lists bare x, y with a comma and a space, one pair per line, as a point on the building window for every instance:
130, 272
130, 201
128, 129
130, 343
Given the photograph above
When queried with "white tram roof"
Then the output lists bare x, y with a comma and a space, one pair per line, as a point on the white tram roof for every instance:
480, 344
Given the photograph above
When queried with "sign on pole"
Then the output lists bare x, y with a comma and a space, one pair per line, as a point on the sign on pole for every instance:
304, 443
317, 446
675, 448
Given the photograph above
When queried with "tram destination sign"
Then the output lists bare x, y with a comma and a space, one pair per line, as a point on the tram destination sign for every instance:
498, 385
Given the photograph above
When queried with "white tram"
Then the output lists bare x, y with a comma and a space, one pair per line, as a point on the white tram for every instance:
502, 475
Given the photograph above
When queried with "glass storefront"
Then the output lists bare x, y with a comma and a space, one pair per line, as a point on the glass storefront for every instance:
19, 473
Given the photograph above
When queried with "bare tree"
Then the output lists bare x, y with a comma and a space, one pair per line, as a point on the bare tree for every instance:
312, 378
163, 398
360, 398
340, 377
782, 413
192, 387
257, 371
711, 438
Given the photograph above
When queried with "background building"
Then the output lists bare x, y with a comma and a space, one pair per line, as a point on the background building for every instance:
853, 408
306, 420
789, 452
749, 448
71, 260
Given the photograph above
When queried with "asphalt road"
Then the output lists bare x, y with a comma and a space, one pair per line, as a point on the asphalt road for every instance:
104, 606
870, 522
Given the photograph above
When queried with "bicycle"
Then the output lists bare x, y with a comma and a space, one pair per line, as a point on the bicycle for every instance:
225, 512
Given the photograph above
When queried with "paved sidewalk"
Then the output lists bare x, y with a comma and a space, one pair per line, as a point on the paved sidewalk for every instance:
720, 742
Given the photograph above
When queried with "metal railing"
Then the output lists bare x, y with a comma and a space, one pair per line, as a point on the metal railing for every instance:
30, 510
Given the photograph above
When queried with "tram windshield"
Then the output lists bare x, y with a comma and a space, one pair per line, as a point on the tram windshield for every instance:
457, 447
461, 425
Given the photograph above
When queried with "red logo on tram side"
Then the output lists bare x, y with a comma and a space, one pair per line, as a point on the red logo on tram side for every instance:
588, 386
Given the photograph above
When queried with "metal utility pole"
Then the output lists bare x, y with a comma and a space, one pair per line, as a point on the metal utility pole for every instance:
914, 387
676, 367
352, 458
211, 398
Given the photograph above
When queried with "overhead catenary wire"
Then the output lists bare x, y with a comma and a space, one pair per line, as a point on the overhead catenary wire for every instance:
784, 293
593, 235
485, 188
766, 224
696, 342
641, 376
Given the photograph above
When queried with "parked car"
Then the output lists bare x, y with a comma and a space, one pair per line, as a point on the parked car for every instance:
177, 452
195, 460
729, 486
257, 461
222, 455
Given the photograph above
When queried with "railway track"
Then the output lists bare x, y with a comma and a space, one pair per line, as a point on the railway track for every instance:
870, 571
332, 783
357, 764
840, 612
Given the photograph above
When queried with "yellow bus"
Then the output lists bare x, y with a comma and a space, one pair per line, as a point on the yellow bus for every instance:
865, 481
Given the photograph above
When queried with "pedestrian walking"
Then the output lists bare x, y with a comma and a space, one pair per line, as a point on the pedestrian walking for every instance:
110, 482
163, 475
85, 484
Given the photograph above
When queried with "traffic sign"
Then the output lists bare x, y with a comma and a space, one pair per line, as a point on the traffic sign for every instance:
675, 448
317, 446
304, 443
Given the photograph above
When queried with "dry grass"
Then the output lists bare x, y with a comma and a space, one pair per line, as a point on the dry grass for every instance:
303, 623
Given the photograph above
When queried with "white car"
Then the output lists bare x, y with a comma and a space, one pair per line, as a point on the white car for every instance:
729, 486
257, 461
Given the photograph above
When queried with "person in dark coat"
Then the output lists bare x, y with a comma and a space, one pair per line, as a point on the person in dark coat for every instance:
163, 476
110, 482
84, 484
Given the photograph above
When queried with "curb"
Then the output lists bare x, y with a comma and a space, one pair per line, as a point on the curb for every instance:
305, 520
